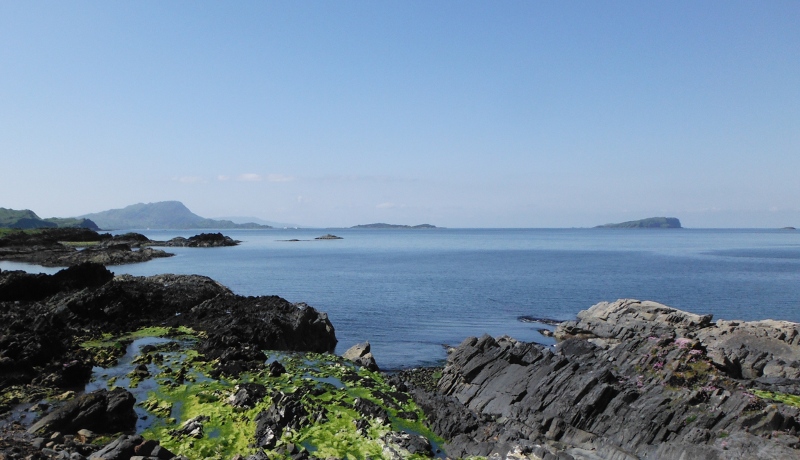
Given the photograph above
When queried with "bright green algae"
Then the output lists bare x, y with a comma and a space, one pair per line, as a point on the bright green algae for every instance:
786, 398
185, 390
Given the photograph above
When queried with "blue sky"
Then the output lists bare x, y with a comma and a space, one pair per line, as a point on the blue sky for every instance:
459, 114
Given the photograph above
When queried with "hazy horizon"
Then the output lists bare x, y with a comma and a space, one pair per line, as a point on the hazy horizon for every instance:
457, 114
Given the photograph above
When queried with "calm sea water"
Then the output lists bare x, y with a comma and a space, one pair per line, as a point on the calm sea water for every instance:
410, 291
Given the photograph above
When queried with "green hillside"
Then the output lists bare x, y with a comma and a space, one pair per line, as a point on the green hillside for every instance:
382, 225
27, 219
650, 222
160, 215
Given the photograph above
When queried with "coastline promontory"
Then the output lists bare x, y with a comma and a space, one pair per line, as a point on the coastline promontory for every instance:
650, 222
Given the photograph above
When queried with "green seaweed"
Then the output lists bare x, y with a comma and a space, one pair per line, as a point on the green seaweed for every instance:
785, 398
330, 387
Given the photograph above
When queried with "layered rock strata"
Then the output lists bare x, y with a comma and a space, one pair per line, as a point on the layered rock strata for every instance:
628, 380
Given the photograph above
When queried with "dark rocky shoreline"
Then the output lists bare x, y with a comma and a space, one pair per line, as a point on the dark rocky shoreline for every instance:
57, 247
627, 379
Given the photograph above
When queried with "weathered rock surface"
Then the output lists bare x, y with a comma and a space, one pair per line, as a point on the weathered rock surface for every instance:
132, 446
238, 328
361, 355
37, 337
247, 395
764, 350
628, 380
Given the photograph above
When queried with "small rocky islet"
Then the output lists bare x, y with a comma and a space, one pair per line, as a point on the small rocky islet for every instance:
94, 365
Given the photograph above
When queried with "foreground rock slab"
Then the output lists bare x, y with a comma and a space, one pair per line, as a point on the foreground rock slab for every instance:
628, 380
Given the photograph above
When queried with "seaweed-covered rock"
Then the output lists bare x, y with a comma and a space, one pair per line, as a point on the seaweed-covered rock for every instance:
247, 395
37, 337
260, 323
286, 411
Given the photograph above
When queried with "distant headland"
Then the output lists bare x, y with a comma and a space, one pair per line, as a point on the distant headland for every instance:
26, 219
382, 225
160, 215
650, 222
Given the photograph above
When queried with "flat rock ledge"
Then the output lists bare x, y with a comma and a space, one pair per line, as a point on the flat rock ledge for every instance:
628, 380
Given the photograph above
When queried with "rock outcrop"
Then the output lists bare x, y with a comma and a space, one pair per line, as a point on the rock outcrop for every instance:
628, 380
38, 330
100, 411
361, 355
54, 247
203, 240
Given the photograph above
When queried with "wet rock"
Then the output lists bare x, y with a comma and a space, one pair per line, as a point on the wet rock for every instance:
276, 369
285, 411
247, 395
371, 410
101, 411
123, 448
235, 360
361, 355
401, 445
258, 323
192, 428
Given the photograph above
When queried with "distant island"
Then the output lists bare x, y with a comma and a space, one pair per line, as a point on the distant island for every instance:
26, 219
160, 215
650, 222
382, 225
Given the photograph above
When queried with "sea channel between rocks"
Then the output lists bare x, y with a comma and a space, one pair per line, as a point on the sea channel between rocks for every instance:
98, 366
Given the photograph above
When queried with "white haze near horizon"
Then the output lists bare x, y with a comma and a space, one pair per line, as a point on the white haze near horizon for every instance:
458, 114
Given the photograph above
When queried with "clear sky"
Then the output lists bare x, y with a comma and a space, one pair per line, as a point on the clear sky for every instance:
458, 114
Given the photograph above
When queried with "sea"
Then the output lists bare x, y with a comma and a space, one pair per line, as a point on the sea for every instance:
413, 292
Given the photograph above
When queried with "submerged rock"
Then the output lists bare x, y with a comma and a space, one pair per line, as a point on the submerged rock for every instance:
328, 237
